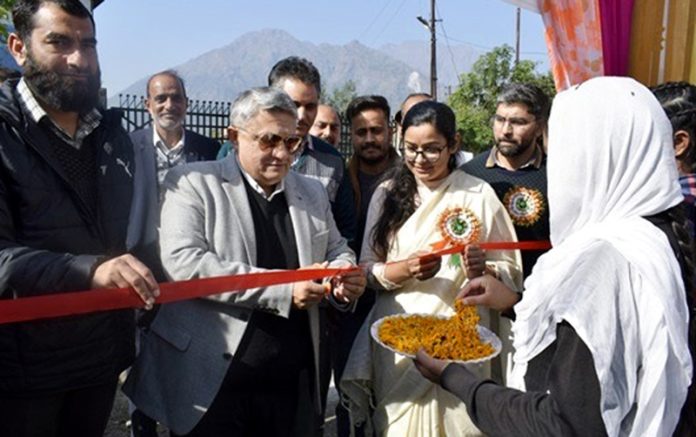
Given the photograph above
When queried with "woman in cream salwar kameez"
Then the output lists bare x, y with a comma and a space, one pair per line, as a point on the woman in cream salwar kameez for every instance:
382, 389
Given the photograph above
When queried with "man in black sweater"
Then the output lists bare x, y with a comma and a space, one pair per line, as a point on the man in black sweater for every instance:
516, 165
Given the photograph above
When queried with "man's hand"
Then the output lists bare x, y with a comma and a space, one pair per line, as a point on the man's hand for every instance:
474, 261
347, 287
490, 292
126, 271
431, 368
307, 293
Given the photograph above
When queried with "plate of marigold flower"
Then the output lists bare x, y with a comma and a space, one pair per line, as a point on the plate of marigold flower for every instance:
458, 338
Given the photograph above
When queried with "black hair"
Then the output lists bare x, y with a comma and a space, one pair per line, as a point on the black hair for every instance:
171, 73
363, 103
678, 99
24, 10
534, 98
294, 67
400, 200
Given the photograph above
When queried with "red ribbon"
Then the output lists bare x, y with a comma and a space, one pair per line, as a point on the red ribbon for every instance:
104, 299
498, 245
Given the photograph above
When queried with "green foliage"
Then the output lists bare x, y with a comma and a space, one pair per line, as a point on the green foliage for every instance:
5, 18
340, 97
474, 101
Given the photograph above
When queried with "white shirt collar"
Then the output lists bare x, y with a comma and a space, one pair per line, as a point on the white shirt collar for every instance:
162, 146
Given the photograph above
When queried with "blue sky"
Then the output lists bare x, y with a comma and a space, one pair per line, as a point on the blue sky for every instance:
139, 37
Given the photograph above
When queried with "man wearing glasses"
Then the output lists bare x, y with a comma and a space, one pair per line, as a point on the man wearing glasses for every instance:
243, 363
516, 165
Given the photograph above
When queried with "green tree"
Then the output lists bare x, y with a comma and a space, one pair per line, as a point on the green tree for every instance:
5, 9
341, 96
474, 100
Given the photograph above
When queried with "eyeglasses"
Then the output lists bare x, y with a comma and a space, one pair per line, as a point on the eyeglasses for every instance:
271, 141
430, 153
515, 122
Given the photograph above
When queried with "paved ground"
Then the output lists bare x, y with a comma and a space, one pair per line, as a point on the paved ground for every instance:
118, 423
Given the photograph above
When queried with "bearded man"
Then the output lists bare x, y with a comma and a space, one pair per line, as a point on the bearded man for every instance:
516, 165
66, 182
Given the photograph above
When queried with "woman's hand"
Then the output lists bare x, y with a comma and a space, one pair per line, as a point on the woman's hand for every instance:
490, 292
474, 261
423, 265
431, 368
420, 265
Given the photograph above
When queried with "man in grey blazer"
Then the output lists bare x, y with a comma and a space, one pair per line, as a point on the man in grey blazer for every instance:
243, 363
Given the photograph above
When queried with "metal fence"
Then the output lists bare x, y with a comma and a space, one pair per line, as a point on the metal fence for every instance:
206, 117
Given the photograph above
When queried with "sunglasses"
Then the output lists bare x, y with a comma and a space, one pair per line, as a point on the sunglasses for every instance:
269, 141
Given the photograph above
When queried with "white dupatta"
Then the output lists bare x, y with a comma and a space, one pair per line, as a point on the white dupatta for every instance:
610, 163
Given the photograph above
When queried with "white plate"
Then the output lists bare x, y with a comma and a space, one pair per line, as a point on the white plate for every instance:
486, 335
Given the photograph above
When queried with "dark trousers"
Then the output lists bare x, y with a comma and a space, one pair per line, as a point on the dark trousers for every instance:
75, 413
142, 425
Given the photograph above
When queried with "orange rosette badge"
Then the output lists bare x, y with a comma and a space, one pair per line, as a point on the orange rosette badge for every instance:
458, 226
525, 205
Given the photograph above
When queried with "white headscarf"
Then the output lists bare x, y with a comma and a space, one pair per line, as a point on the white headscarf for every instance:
610, 163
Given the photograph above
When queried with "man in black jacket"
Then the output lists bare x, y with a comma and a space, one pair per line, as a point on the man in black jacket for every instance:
66, 174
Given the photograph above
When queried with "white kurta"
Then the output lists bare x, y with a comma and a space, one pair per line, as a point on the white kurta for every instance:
406, 404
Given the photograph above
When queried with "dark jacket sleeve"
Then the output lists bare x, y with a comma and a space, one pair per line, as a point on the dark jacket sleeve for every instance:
205, 149
566, 403
343, 209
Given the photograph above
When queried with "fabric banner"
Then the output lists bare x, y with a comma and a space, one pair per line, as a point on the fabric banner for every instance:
574, 40
616, 35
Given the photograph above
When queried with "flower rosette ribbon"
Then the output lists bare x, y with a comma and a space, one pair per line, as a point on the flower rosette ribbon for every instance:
458, 226
525, 205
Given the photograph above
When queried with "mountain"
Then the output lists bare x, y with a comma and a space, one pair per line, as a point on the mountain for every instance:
221, 74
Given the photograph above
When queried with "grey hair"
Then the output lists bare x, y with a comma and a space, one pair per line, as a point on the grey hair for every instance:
252, 101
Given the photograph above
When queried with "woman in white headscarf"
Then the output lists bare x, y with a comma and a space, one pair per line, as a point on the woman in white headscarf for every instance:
601, 331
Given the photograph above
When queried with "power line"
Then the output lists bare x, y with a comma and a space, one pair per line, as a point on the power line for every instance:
485, 47
449, 48
369, 26
396, 12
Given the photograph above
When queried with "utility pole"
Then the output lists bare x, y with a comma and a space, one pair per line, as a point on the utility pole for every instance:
517, 37
433, 48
